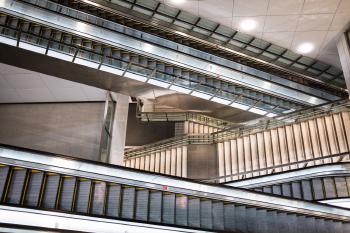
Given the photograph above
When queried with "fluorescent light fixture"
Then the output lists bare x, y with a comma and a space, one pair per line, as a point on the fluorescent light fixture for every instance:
201, 95
8, 41
58, 55
247, 24
135, 76
180, 89
289, 110
240, 106
86, 63
271, 115
257, 111
111, 70
32, 48
177, 1
158, 83
220, 101
306, 47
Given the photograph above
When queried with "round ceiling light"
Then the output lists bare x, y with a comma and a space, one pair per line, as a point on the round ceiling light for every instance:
306, 47
247, 24
177, 1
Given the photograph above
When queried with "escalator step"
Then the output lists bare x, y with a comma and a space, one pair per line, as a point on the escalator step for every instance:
251, 219
292, 222
271, 221
240, 217
155, 206
16, 185
142, 201
34, 188
307, 191
194, 212
51, 191
169, 208
98, 198
113, 200
4, 171
261, 224
128, 202
181, 210
206, 214
83, 196
67, 193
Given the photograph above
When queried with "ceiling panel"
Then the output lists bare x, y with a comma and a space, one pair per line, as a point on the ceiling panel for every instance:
286, 23
19, 86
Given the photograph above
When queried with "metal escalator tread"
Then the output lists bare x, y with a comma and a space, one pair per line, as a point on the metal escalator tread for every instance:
317, 186
218, 215
51, 190
329, 187
194, 212
340, 184
155, 206
113, 200
229, 217
206, 214
16, 185
128, 202
181, 210
168, 208
286, 190
142, 201
296, 190
83, 196
282, 221
307, 190
251, 219
301, 225
67, 193
98, 198
261, 224
4, 171
271, 221
240, 218
320, 226
34, 188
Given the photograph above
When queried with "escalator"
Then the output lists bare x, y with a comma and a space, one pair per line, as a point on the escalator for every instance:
103, 45
56, 185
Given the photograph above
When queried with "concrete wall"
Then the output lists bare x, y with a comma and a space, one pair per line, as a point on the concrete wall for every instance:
140, 133
72, 129
201, 161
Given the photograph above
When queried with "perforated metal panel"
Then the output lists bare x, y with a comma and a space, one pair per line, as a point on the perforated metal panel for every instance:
51, 190
128, 202
113, 200
155, 206
168, 208
83, 195
4, 170
34, 188
67, 193
218, 215
194, 212
181, 210
206, 214
142, 201
16, 185
98, 198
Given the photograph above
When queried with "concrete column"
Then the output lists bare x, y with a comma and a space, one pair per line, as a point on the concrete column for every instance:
344, 55
119, 129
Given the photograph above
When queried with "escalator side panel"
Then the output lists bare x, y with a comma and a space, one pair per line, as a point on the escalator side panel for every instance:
169, 208
142, 202
181, 210
67, 193
16, 187
51, 190
4, 172
128, 202
194, 212
113, 200
98, 198
155, 206
206, 214
83, 196
34, 188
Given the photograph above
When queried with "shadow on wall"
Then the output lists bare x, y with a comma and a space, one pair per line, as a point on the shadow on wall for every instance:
140, 133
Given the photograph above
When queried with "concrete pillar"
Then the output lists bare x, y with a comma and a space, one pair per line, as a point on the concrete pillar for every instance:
344, 55
119, 129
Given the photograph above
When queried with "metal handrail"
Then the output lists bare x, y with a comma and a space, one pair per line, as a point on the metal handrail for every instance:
245, 128
242, 175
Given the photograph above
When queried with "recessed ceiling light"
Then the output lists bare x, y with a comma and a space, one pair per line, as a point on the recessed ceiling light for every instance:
177, 1
247, 24
306, 47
